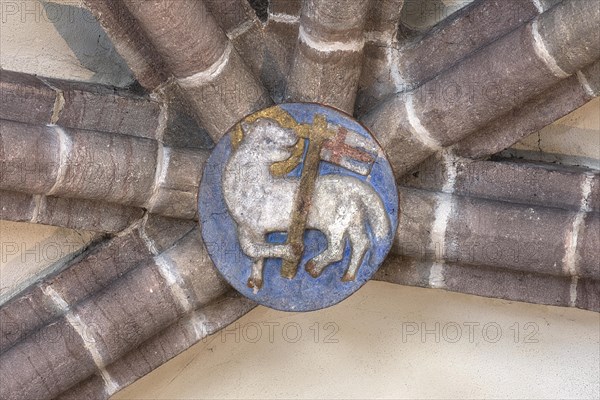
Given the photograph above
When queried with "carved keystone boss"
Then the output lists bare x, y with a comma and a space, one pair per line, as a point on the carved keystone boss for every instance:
298, 206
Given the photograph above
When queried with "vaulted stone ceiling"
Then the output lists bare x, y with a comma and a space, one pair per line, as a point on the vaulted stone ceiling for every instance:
127, 163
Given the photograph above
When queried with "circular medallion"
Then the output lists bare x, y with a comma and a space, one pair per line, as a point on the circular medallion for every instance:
298, 206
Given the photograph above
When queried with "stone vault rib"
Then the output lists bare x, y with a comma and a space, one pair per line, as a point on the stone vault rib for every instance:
556, 102
87, 274
475, 231
492, 282
409, 63
105, 326
97, 107
185, 332
329, 50
444, 110
91, 215
93, 165
217, 84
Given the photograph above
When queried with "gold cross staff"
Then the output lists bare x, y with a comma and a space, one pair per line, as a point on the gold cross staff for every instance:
318, 135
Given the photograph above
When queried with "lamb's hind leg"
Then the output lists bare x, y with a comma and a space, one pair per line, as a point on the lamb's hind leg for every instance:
333, 253
359, 241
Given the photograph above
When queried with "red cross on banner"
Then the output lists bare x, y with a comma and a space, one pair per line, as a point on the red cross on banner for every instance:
350, 150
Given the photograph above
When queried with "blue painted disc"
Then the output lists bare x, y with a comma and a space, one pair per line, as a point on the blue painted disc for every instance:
246, 206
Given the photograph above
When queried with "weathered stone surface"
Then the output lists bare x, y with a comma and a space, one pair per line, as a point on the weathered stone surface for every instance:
483, 281
106, 109
101, 166
87, 274
594, 200
379, 67
591, 75
327, 78
159, 349
29, 157
588, 246
69, 213
486, 85
507, 284
91, 388
417, 211
36, 368
504, 235
570, 34
179, 31
588, 295
25, 98
99, 267
230, 14
130, 41
391, 126
164, 232
227, 97
476, 25
181, 128
178, 195
89, 215
479, 89
495, 234
328, 57
23, 315
540, 111
268, 51
192, 263
404, 271
469, 29
287, 7
15, 206
129, 312
514, 182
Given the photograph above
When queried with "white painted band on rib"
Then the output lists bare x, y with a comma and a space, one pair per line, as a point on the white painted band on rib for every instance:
543, 54
168, 270
380, 37
163, 157
163, 119
436, 275
208, 75
570, 257
393, 58
83, 331
573, 291
451, 172
150, 244
421, 133
329, 47
284, 18
39, 203
443, 211
239, 30
65, 147
199, 324
586, 84
538, 5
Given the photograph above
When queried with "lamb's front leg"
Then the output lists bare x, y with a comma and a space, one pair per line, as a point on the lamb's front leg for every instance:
254, 246
255, 281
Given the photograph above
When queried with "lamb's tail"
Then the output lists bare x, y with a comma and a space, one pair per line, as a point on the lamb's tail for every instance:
375, 210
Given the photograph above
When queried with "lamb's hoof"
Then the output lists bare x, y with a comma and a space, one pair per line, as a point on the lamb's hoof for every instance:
311, 268
255, 283
348, 277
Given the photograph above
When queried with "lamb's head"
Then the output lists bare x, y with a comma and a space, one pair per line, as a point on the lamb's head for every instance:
269, 140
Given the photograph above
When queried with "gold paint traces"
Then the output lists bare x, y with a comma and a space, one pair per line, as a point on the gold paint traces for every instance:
286, 121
